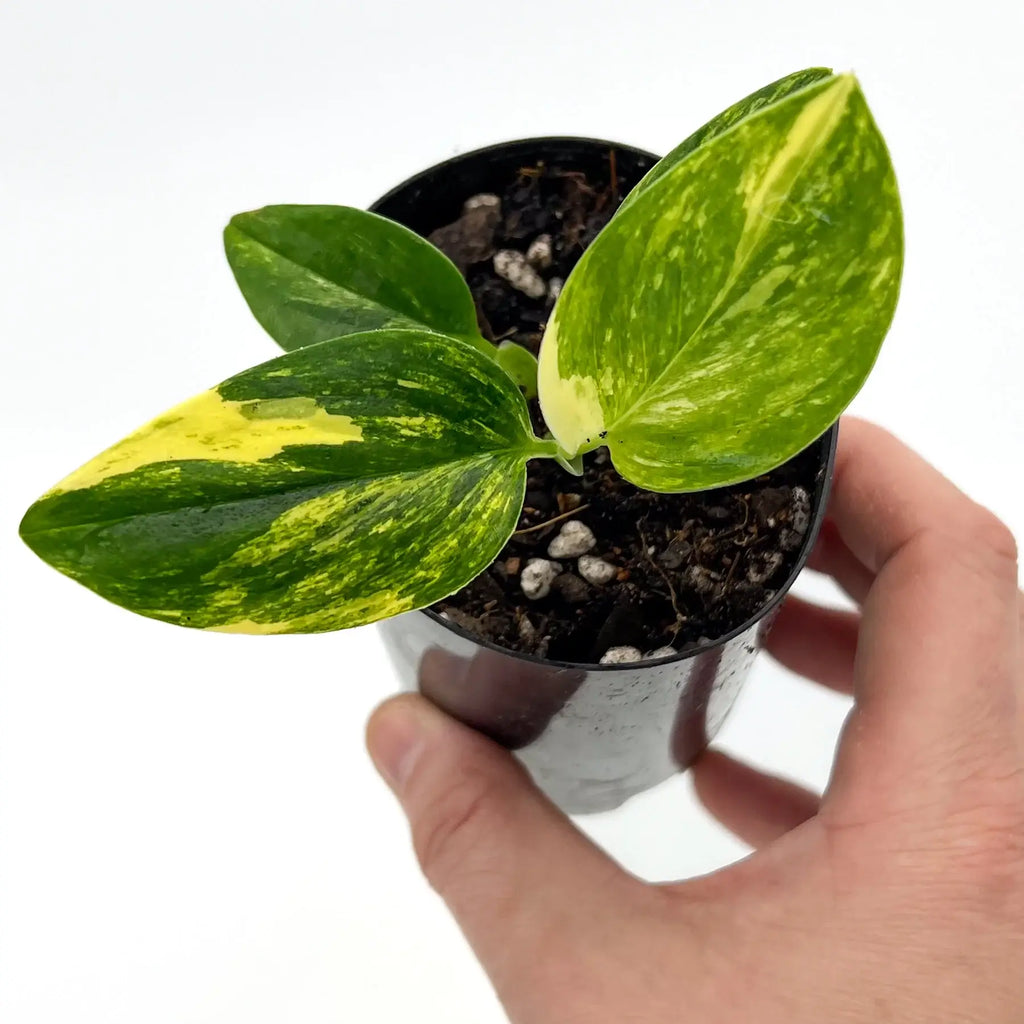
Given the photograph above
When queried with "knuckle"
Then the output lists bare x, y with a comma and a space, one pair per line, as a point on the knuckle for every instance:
998, 847
979, 542
989, 863
452, 827
987, 827
993, 535
969, 857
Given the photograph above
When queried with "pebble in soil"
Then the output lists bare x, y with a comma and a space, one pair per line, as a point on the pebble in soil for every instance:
598, 565
686, 566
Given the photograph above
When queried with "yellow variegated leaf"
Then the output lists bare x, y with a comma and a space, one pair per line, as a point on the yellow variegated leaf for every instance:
336, 485
728, 314
729, 118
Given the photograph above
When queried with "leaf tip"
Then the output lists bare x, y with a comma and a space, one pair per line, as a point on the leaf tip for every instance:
25, 527
36, 533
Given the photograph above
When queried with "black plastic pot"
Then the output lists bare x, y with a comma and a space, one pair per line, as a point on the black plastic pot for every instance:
591, 736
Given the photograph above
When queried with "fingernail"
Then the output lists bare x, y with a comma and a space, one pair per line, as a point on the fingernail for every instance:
395, 740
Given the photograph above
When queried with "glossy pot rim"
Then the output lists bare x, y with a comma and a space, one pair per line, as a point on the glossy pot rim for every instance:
826, 442
499, 149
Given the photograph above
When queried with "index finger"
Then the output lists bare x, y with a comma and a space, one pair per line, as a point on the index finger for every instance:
935, 672
884, 494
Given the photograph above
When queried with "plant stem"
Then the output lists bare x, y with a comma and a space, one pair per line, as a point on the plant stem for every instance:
571, 464
548, 448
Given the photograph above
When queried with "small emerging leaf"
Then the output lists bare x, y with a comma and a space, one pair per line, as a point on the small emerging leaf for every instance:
728, 316
520, 365
310, 273
330, 487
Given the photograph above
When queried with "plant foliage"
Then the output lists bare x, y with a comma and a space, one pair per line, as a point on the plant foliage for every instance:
723, 319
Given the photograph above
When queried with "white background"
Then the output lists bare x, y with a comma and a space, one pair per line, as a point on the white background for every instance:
189, 828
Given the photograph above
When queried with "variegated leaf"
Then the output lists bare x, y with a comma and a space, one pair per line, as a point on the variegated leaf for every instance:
310, 273
333, 486
727, 119
728, 316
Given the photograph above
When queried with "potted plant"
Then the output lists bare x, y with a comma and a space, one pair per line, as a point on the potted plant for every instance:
591, 537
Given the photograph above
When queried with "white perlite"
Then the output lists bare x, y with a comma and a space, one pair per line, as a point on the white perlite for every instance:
801, 510
537, 577
661, 652
512, 266
483, 201
621, 655
555, 288
763, 567
574, 539
539, 252
792, 536
596, 570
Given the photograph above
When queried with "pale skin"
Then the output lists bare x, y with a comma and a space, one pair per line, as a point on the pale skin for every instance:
898, 895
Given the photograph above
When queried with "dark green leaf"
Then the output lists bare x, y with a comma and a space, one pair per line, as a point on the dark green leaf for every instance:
333, 486
310, 273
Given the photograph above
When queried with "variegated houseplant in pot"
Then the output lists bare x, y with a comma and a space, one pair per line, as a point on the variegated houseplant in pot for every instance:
711, 330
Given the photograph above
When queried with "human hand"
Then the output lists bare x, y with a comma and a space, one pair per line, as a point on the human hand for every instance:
898, 896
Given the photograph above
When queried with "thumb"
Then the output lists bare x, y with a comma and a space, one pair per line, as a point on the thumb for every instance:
529, 891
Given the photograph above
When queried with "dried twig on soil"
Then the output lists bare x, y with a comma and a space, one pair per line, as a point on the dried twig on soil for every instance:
680, 617
550, 522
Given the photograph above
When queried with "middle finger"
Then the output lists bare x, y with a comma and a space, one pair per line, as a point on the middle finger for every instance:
815, 642
832, 557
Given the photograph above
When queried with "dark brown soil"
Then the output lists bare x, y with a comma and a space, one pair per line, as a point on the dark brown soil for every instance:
689, 567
